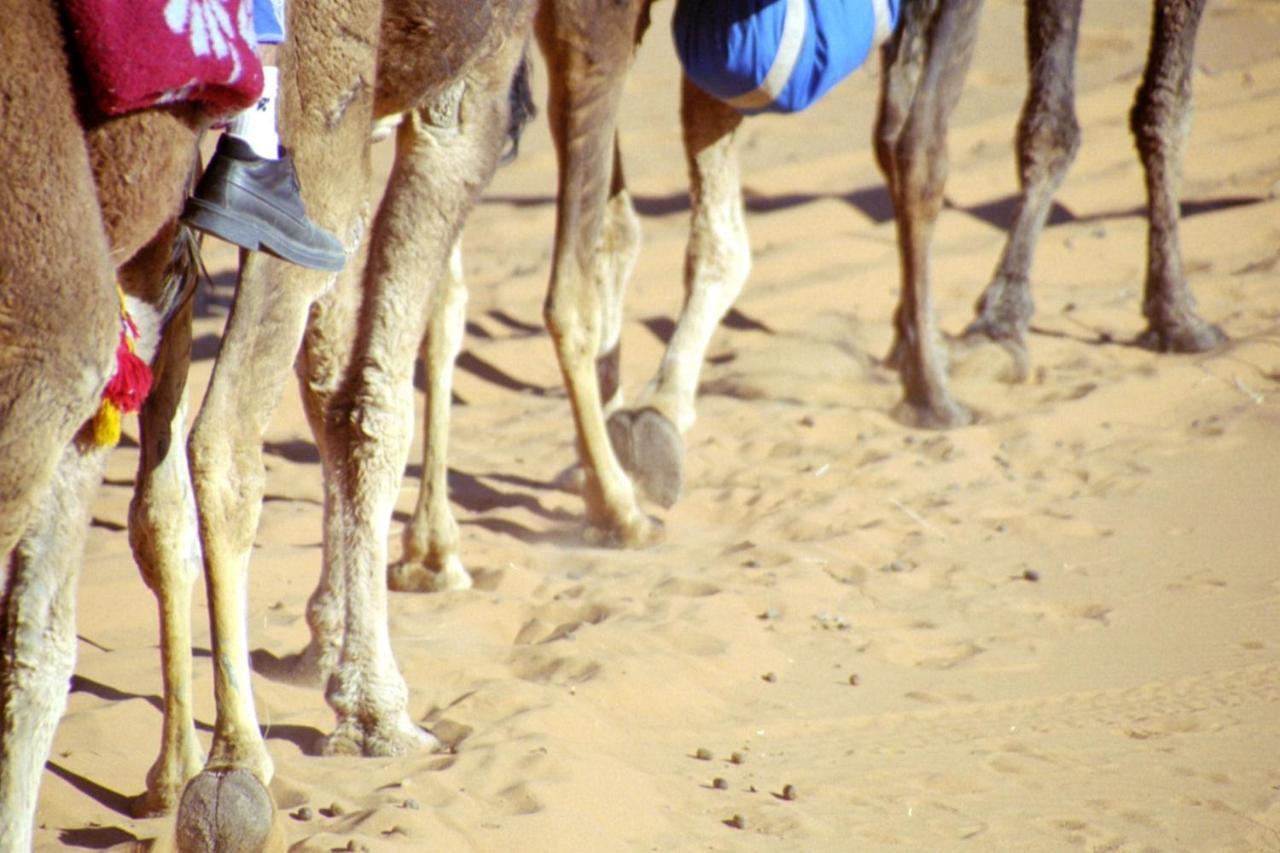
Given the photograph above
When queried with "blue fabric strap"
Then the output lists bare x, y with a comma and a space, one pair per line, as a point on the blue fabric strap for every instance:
777, 55
268, 21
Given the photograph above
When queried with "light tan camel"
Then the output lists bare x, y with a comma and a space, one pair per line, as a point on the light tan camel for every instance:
452, 70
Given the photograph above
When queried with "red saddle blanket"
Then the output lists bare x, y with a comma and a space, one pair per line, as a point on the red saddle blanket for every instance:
140, 53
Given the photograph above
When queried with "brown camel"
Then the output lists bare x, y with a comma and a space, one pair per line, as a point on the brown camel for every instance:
451, 70
924, 66
1048, 137
86, 203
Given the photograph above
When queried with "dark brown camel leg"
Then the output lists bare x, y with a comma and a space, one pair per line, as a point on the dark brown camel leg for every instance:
1047, 142
925, 66
588, 49
1161, 121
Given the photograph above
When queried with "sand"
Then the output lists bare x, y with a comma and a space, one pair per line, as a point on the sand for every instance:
1056, 629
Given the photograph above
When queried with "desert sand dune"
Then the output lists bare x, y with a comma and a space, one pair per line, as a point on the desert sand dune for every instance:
1056, 629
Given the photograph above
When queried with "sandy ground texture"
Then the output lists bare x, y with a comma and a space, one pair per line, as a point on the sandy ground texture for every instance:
1056, 629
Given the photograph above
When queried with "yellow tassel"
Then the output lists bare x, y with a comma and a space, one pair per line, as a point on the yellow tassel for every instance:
106, 425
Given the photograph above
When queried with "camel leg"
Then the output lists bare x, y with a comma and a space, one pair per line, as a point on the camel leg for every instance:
39, 645
585, 86
164, 535
613, 262
445, 156
331, 59
225, 451
616, 254
1161, 121
225, 455
1047, 141
925, 66
717, 262
59, 324
432, 559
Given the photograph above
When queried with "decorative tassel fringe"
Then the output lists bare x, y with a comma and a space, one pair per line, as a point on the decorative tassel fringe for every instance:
129, 386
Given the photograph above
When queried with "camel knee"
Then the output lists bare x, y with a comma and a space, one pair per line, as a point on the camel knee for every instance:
1048, 141
919, 170
1160, 122
227, 481
571, 316
162, 532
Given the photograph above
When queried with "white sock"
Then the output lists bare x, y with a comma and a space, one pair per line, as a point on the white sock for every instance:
257, 125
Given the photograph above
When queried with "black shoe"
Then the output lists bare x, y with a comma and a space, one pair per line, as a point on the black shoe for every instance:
254, 202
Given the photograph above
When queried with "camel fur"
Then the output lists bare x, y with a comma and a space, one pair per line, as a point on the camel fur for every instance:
86, 203
352, 336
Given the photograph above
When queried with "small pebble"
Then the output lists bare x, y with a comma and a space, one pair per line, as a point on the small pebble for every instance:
737, 758
720, 783
788, 792
807, 421
412, 805
854, 680
769, 677
703, 754
1031, 575
336, 810
304, 813
736, 822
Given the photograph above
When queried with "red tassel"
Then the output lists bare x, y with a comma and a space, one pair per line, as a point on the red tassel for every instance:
131, 383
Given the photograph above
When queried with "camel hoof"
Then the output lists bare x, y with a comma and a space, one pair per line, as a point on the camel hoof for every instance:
226, 810
971, 354
650, 449
639, 532
302, 669
155, 802
413, 576
373, 741
947, 415
572, 480
1193, 337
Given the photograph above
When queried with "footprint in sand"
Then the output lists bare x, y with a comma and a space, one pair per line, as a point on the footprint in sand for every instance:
677, 587
540, 666
557, 620
540, 644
